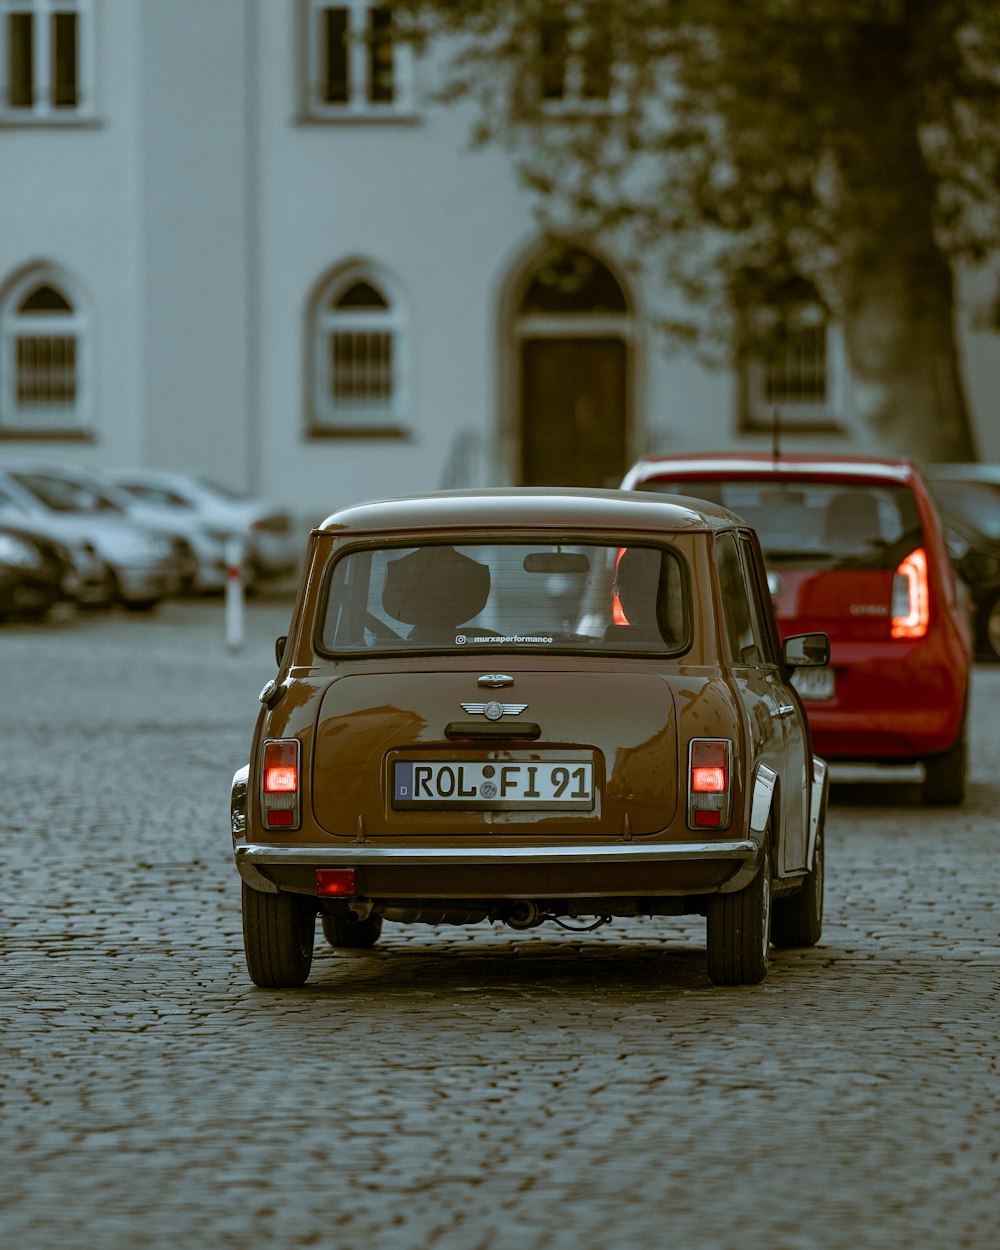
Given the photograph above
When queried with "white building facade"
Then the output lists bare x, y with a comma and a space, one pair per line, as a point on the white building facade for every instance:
237, 236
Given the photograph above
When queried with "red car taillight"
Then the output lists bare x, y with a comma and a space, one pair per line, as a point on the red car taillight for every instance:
710, 777
280, 783
910, 597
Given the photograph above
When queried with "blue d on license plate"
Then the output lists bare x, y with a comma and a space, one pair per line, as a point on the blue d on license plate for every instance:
566, 784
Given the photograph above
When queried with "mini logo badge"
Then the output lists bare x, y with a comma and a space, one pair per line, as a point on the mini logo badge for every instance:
494, 710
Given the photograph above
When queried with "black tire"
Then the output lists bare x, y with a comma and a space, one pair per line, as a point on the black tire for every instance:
278, 935
739, 932
140, 605
342, 928
944, 774
797, 919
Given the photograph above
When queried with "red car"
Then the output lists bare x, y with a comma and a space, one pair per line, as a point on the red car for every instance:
854, 547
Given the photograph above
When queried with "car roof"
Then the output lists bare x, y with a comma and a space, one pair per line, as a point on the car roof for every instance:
528, 508
797, 464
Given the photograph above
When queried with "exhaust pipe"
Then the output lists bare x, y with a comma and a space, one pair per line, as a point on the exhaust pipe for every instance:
524, 914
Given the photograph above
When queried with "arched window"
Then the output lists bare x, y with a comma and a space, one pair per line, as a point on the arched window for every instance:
42, 356
357, 356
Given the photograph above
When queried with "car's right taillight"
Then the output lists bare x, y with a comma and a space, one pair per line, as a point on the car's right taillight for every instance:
280, 783
910, 611
710, 783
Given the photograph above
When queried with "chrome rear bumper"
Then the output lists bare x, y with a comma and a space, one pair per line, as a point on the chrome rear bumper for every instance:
251, 856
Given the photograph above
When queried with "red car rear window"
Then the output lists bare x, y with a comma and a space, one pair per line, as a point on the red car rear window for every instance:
814, 523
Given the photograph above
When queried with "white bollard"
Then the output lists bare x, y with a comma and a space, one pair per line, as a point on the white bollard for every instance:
235, 631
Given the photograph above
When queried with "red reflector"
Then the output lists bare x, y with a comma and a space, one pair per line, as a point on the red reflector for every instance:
708, 817
335, 881
281, 780
280, 816
708, 780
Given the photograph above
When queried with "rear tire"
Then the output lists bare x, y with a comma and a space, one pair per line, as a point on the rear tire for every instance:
944, 774
739, 931
797, 918
278, 935
342, 928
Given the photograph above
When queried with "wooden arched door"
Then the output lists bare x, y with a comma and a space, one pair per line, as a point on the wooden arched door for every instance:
573, 330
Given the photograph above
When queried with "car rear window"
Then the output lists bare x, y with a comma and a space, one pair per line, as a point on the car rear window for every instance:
815, 523
509, 596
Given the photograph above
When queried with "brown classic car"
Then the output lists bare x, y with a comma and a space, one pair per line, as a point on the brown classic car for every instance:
519, 706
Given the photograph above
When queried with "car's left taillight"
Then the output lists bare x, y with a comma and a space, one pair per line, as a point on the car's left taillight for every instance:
280, 783
710, 783
910, 609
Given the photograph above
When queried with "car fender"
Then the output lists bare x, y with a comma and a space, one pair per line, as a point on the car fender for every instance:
764, 786
817, 806
238, 820
238, 803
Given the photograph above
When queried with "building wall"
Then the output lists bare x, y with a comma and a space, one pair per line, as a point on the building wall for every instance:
194, 208
200, 212
69, 196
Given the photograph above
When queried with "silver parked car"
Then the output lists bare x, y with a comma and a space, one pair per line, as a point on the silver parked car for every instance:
87, 581
268, 532
142, 565
199, 549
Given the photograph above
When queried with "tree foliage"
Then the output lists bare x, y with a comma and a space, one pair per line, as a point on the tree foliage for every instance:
757, 148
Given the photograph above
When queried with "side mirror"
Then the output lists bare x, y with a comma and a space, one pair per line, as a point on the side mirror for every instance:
279, 648
806, 651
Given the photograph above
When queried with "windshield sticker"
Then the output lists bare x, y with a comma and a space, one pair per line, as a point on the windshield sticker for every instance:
462, 640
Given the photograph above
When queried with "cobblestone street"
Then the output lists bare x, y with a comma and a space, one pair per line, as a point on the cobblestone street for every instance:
461, 1089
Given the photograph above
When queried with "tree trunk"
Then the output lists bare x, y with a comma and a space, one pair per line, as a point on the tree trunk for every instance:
903, 354
898, 290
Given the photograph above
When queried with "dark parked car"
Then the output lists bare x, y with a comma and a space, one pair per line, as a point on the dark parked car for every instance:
520, 706
970, 508
35, 573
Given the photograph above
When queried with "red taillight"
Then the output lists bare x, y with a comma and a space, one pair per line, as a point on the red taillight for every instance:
911, 597
708, 780
280, 779
709, 783
335, 882
280, 783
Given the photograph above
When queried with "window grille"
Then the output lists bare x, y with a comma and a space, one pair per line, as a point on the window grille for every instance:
42, 358
357, 339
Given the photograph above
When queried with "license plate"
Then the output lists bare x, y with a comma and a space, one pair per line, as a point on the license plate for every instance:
814, 683
566, 785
